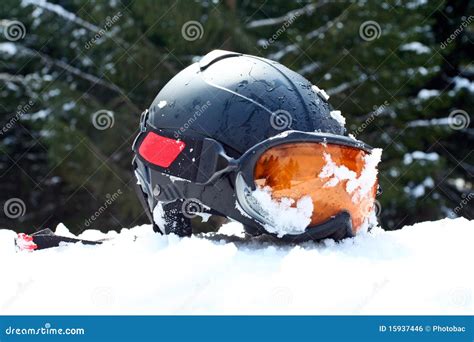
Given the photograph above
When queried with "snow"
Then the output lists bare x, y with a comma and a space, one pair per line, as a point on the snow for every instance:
204, 216
60, 11
138, 177
308, 9
408, 158
283, 52
232, 229
285, 218
337, 115
425, 94
460, 83
159, 216
420, 189
432, 122
335, 173
39, 115
357, 186
69, 105
174, 178
416, 4
8, 48
62, 230
422, 269
309, 68
417, 47
320, 92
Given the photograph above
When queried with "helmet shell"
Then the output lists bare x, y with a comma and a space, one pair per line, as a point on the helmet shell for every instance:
240, 100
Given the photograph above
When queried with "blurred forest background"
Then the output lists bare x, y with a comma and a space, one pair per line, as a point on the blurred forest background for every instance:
401, 72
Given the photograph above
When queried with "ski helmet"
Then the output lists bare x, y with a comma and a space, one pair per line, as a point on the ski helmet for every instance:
248, 139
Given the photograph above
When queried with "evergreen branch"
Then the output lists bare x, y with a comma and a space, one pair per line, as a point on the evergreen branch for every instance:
62, 12
308, 10
309, 36
81, 74
347, 85
18, 79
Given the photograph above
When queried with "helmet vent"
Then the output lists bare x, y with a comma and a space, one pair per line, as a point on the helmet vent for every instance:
214, 56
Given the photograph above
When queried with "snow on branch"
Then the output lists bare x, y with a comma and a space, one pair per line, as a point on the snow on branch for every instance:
6, 77
308, 10
11, 78
326, 27
280, 54
309, 36
79, 73
309, 68
62, 12
75, 71
59, 10
346, 85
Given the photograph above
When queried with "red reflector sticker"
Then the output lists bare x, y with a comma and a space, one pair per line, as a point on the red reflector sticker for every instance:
160, 150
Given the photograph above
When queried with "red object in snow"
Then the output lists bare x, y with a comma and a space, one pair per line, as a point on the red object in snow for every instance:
25, 242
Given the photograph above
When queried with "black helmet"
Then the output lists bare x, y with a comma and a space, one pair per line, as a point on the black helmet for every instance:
246, 138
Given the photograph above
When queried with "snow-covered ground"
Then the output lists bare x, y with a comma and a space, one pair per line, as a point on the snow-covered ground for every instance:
421, 269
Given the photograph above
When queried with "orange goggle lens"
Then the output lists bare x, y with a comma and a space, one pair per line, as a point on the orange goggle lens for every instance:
337, 178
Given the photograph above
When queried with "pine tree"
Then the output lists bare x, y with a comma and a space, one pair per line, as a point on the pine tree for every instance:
397, 71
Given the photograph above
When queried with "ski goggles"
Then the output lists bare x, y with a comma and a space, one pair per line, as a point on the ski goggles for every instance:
311, 178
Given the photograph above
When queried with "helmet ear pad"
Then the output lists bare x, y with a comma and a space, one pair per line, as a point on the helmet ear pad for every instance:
176, 222
173, 221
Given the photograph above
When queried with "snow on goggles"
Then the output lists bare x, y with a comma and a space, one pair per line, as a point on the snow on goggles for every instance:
289, 183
